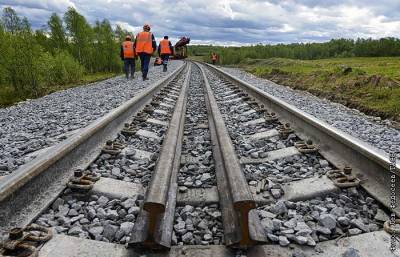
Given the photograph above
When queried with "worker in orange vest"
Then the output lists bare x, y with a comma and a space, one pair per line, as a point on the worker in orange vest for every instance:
214, 58
145, 45
128, 56
165, 49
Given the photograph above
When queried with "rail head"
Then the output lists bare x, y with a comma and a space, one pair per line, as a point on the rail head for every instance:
238, 185
157, 192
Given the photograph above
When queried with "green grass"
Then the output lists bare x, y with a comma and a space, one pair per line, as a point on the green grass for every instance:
372, 86
8, 96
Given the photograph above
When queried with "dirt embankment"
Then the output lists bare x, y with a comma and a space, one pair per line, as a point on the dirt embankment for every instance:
374, 95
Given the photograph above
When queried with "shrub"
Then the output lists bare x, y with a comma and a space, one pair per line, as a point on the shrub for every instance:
60, 69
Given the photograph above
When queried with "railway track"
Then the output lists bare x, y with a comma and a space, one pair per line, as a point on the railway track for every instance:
201, 164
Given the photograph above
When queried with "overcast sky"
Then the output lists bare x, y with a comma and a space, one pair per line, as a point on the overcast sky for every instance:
234, 22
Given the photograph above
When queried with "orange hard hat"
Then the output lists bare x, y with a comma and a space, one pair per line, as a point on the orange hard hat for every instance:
146, 26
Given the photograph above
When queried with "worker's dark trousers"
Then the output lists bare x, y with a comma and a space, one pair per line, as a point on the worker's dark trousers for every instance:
129, 63
165, 58
144, 61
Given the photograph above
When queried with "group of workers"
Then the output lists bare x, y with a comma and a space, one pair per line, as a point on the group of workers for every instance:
143, 47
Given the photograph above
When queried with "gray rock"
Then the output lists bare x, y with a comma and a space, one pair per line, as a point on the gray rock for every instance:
304, 232
96, 231
187, 238
301, 240
267, 225
116, 171
102, 201
205, 177
311, 241
283, 241
63, 210
323, 230
272, 237
130, 217
287, 231
290, 223
277, 224
208, 237
75, 231
280, 208
112, 215
101, 213
381, 216
73, 213
129, 203
187, 209
181, 225
266, 214
344, 221
328, 221
354, 231
337, 211
276, 193
358, 223
373, 227
351, 252
134, 210
91, 213
202, 225
127, 227
109, 231
323, 163
183, 189
57, 203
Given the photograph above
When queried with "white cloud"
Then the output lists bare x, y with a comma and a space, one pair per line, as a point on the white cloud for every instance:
50, 5
234, 22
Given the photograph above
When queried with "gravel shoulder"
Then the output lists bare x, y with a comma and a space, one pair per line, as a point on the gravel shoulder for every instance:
31, 126
376, 132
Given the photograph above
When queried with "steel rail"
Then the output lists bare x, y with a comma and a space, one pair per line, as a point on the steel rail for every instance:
31, 188
230, 178
155, 224
369, 164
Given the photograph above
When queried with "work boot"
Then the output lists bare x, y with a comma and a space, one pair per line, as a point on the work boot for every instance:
165, 68
132, 76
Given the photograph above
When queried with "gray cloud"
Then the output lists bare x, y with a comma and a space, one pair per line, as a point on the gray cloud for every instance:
233, 21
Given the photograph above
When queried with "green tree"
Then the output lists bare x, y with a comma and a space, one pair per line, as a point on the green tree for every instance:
106, 46
57, 32
11, 21
81, 35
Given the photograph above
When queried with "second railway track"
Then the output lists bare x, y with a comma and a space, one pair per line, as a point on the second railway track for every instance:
202, 164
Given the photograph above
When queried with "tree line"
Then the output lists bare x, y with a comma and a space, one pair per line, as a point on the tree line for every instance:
335, 48
60, 53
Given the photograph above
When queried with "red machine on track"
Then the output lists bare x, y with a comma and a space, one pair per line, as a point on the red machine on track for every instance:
180, 48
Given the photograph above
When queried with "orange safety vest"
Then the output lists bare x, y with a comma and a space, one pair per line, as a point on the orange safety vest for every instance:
144, 42
128, 50
164, 47
214, 57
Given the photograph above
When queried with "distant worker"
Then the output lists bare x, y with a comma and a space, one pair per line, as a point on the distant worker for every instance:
145, 45
214, 58
128, 56
165, 49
